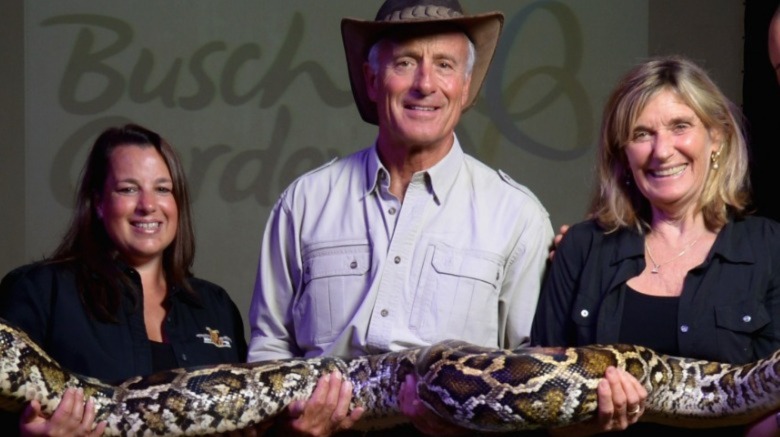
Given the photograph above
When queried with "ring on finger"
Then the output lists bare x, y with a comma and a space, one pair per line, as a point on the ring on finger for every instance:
635, 411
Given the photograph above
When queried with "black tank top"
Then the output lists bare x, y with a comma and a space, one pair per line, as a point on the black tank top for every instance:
162, 356
650, 321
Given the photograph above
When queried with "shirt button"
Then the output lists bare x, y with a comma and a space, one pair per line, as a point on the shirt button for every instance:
397, 260
584, 313
353, 265
384, 313
684, 328
184, 357
391, 211
746, 318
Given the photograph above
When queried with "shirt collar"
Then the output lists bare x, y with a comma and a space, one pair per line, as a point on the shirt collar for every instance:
731, 244
441, 176
630, 244
734, 244
374, 170
175, 293
178, 293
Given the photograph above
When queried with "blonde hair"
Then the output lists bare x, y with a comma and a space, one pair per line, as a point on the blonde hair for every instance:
618, 202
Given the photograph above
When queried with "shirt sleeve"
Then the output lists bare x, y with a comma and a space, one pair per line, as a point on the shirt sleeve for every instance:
23, 301
278, 276
522, 281
552, 324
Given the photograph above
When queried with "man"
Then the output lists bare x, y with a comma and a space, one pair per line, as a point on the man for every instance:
771, 424
774, 43
410, 241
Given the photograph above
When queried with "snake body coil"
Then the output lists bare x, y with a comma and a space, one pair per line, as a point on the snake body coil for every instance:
479, 388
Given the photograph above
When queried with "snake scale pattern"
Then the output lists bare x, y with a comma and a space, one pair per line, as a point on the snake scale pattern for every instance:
480, 388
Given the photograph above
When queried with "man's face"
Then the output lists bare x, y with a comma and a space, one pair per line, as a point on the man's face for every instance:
420, 88
774, 44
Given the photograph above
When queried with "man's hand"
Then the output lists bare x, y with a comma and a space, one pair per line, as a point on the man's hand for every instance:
420, 416
557, 241
325, 412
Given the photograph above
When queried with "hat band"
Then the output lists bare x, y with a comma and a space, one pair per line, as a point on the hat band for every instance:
422, 13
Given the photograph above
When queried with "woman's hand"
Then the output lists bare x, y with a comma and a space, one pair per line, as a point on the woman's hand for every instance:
425, 420
73, 417
621, 401
325, 412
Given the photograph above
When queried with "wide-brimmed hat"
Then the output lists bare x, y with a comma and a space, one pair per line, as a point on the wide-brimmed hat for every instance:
358, 35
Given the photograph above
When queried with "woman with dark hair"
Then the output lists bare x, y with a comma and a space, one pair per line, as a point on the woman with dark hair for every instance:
118, 298
670, 258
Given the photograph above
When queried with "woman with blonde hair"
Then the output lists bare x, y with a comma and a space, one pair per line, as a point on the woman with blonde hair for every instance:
670, 258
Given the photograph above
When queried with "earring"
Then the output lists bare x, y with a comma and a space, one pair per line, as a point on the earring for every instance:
714, 160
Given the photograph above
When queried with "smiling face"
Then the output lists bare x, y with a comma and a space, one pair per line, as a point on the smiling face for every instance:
137, 205
669, 153
420, 87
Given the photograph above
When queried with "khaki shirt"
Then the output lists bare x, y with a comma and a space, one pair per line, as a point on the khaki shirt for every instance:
347, 270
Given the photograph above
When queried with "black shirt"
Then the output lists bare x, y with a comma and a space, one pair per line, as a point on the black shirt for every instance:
728, 310
42, 299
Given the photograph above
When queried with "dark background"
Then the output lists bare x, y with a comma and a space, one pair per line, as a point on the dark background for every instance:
726, 37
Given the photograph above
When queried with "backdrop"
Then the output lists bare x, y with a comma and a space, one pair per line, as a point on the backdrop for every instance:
253, 93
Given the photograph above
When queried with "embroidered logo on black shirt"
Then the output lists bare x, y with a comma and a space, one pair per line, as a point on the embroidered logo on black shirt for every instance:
214, 338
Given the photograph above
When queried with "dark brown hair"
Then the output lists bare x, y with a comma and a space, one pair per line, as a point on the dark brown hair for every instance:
99, 277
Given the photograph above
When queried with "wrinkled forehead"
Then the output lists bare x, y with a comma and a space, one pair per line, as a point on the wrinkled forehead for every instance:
453, 46
630, 107
674, 103
687, 106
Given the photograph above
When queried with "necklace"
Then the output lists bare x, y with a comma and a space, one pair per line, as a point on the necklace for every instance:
657, 266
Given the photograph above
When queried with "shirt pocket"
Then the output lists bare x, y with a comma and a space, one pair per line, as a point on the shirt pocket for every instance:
457, 296
334, 277
737, 325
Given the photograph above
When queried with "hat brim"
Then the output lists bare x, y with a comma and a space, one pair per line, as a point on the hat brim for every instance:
358, 36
